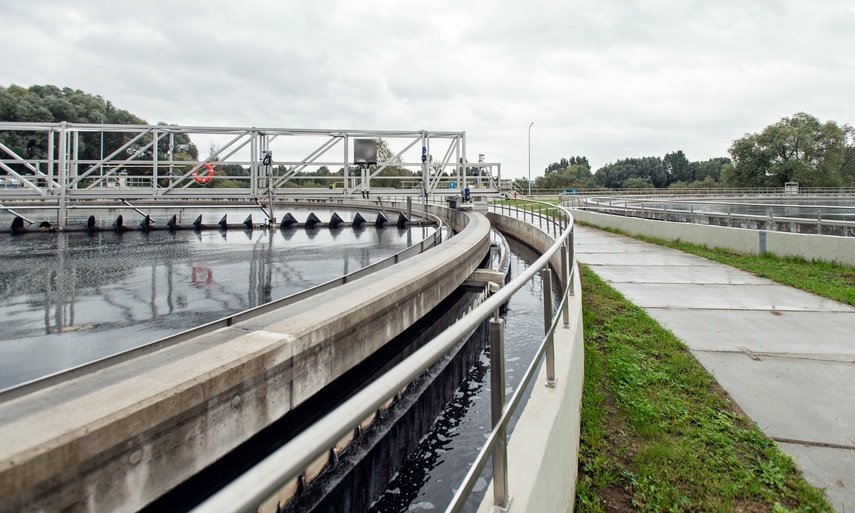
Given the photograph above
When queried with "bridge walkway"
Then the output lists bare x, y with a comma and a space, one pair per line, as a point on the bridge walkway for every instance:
787, 357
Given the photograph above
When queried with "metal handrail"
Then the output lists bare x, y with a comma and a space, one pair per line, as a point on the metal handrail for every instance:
640, 209
701, 191
718, 201
262, 481
51, 379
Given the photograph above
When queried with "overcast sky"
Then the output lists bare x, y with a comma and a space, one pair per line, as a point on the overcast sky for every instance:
606, 79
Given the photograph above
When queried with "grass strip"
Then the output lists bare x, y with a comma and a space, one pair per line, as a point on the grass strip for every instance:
659, 434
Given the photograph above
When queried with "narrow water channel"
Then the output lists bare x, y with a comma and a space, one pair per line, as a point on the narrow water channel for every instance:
431, 475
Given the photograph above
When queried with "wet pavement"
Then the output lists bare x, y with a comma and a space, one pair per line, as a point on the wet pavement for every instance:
787, 357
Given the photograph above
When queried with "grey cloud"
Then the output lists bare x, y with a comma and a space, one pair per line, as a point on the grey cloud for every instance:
607, 79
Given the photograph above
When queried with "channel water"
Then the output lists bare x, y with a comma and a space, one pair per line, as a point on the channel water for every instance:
431, 474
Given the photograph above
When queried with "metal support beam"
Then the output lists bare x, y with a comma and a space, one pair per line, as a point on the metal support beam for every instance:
66, 169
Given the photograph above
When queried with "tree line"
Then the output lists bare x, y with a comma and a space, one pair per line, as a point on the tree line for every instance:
799, 149
50, 104
672, 170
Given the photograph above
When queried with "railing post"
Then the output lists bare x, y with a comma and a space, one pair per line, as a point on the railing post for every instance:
565, 275
571, 259
497, 407
539, 217
546, 277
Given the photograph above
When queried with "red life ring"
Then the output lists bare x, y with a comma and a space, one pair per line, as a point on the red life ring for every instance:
205, 177
202, 276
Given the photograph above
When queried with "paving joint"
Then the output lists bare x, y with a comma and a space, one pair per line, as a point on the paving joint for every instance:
772, 311
760, 355
811, 443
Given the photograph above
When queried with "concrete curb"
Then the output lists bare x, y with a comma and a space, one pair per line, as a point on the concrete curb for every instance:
742, 240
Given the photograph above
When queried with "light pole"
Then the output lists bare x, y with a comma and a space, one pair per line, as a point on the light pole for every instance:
529, 158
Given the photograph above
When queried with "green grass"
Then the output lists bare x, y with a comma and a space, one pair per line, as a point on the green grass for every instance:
827, 279
658, 434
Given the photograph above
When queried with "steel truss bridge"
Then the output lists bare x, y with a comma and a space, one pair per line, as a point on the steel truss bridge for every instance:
63, 166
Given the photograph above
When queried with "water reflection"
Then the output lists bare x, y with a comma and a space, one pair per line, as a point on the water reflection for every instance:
66, 299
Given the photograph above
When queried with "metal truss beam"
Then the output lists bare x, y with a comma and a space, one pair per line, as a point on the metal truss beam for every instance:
143, 162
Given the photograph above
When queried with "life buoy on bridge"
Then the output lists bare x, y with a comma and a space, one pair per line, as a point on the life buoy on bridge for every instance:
202, 276
205, 176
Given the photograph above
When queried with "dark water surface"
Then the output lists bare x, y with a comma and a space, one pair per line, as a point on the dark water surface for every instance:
431, 475
70, 298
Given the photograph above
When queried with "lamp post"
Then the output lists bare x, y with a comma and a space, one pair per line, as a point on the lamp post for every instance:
529, 158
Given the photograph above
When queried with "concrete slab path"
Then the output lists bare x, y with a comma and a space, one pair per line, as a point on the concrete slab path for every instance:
787, 357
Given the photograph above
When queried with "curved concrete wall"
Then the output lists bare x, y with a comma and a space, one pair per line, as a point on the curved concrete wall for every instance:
120, 437
809, 246
543, 450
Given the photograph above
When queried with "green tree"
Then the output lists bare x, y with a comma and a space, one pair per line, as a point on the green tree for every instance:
557, 167
385, 155
650, 169
799, 148
707, 183
50, 104
710, 168
636, 183
677, 167
847, 166
577, 176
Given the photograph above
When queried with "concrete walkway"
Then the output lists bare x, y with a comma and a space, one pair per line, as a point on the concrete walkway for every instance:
786, 357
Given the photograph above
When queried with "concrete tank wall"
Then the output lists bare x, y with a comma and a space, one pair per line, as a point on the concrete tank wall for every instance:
117, 438
741, 240
543, 451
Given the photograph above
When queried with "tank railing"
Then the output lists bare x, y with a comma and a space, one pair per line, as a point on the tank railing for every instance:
696, 192
640, 209
418, 247
266, 478
535, 212
719, 202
